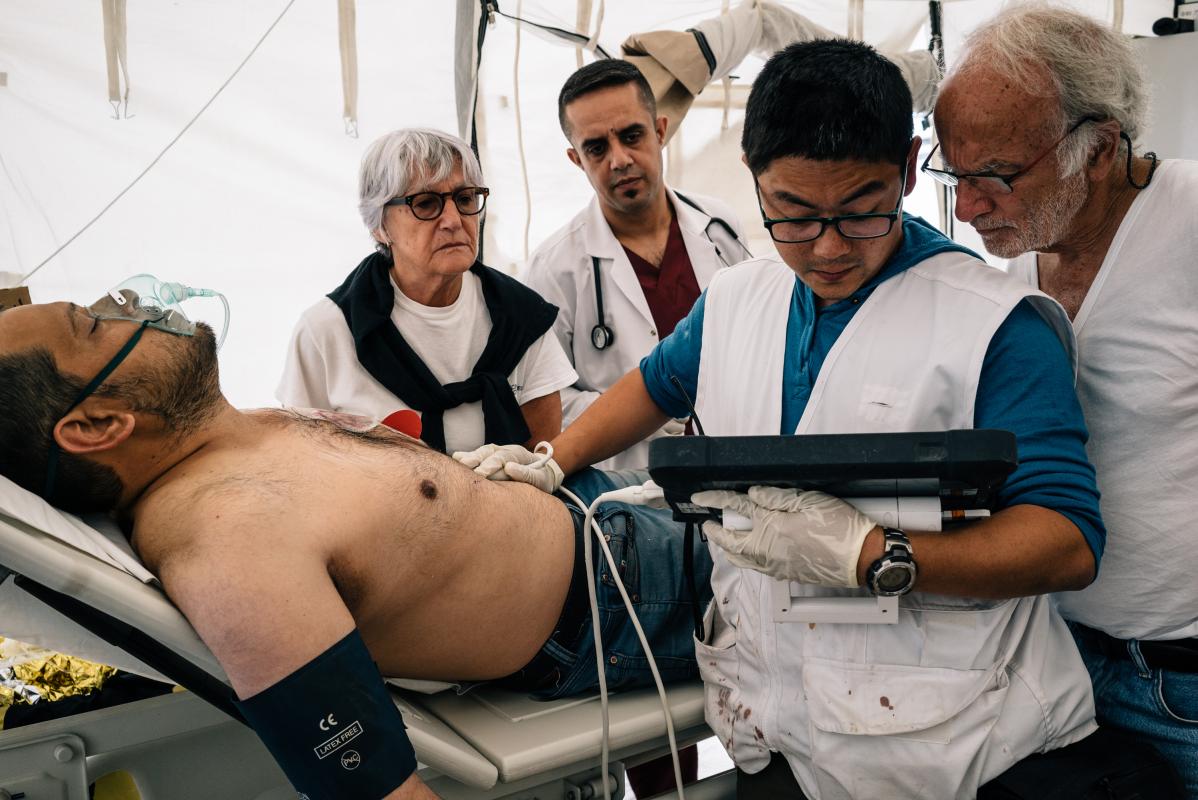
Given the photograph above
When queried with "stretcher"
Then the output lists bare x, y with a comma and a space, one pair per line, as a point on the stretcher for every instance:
74, 586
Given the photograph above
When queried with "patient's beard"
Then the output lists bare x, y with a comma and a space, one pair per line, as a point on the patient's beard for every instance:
1046, 221
83, 486
183, 389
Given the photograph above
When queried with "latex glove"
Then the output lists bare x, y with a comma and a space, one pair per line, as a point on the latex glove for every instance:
809, 537
674, 427
515, 462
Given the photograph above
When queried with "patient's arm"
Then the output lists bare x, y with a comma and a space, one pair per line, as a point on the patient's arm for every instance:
268, 609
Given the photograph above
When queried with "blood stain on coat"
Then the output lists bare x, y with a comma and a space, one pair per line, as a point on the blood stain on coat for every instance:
747, 712
885, 701
727, 713
810, 626
757, 732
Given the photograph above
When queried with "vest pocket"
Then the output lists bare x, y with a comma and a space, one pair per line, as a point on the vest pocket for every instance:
887, 699
867, 718
719, 667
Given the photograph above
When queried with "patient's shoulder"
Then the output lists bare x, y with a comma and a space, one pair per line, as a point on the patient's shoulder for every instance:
214, 516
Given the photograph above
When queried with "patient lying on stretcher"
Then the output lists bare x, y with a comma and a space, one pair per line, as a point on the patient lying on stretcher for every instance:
284, 537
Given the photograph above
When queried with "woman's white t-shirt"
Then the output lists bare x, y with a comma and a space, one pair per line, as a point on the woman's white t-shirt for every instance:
322, 368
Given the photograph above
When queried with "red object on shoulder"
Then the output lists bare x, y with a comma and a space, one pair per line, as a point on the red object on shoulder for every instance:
405, 421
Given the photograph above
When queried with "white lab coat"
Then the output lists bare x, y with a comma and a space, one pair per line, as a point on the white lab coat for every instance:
561, 271
959, 689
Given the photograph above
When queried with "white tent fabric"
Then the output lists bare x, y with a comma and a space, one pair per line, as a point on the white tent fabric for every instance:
764, 27
258, 198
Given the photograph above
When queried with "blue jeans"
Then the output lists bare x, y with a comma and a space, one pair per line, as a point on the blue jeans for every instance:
647, 546
1159, 706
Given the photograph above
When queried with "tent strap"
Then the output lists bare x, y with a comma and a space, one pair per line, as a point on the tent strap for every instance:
570, 37
116, 54
347, 33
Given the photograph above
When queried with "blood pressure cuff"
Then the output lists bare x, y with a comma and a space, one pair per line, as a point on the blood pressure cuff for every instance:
333, 728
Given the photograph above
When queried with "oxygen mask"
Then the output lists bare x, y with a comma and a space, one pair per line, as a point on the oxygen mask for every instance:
157, 304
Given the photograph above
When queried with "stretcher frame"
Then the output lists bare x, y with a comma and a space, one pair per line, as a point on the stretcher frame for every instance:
190, 745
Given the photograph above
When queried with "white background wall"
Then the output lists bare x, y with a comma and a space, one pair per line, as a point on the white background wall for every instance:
258, 198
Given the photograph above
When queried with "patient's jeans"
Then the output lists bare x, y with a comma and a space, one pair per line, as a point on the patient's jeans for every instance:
648, 549
1161, 706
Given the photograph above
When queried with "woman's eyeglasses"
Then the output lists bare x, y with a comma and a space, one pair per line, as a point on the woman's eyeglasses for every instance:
427, 206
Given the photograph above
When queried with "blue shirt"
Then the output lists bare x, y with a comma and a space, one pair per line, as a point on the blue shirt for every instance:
1026, 384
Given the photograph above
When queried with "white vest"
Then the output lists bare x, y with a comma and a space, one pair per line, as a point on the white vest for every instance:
959, 689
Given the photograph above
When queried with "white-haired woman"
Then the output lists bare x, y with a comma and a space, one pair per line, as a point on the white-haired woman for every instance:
421, 335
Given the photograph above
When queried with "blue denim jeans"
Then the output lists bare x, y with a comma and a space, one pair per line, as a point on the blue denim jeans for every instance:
647, 546
1159, 706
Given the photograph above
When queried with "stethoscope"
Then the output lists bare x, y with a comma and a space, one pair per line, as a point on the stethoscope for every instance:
602, 336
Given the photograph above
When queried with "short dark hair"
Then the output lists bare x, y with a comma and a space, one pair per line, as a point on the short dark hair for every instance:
34, 396
827, 100
599, 75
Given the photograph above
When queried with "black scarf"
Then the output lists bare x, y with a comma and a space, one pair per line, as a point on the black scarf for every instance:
519, 316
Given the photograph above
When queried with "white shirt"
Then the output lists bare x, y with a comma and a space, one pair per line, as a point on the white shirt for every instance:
561, 271
322, 368
1137, 338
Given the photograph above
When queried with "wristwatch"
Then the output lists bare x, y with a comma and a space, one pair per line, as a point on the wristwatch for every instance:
894, 573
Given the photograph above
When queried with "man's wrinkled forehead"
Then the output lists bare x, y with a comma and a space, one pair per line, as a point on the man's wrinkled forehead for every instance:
984, 121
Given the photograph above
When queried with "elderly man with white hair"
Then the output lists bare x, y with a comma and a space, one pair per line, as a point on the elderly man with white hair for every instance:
1038, 124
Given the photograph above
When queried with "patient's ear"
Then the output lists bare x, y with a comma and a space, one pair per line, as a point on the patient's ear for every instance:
94, 426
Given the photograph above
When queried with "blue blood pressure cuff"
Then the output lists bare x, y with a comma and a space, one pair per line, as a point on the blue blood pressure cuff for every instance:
333, 728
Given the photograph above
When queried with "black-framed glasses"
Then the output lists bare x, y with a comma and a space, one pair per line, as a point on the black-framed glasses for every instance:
795, 230
988, 181
427, 206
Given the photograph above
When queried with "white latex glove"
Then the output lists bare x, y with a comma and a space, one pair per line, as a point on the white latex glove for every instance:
515, 462
809, 537
674, 427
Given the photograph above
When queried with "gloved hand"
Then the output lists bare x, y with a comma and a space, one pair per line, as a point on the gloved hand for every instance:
515, 462
809, 537
674, 427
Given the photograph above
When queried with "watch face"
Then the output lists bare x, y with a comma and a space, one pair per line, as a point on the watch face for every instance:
893, 579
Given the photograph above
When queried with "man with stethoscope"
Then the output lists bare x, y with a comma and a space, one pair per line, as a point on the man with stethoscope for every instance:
631, 264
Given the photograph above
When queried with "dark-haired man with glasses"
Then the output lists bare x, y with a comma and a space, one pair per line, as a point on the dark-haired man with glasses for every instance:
871, 321
421, 334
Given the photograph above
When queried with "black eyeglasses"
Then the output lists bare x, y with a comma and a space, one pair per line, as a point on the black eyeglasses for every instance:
795, 230
469, 200
989, 182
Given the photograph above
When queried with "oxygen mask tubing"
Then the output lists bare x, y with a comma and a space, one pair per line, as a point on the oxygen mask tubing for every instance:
144, 298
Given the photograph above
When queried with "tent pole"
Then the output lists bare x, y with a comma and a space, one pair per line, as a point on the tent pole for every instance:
469, 31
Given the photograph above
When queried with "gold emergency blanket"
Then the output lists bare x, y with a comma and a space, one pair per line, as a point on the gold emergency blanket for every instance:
30, 674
